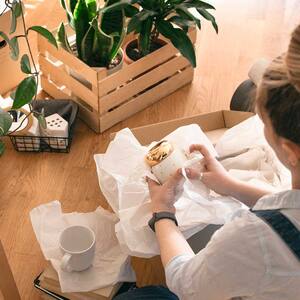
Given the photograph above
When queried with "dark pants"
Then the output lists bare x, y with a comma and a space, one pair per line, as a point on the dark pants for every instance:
147, 293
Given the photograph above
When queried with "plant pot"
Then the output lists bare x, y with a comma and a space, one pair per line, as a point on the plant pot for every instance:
106, 98
132, 44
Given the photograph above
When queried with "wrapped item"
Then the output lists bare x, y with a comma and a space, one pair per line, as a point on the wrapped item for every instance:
121, 172
110, 264
257, 162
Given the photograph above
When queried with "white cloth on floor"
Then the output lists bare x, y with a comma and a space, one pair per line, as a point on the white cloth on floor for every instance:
110, 264
121, 172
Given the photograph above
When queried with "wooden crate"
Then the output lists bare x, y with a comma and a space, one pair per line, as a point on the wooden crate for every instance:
105, 100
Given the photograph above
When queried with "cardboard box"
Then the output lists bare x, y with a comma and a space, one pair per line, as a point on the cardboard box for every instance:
10, 71
214, 124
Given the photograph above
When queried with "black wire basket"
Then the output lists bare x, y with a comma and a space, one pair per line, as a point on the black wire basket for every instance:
66, 109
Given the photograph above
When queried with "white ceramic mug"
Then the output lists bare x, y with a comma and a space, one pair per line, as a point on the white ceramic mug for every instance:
78, 245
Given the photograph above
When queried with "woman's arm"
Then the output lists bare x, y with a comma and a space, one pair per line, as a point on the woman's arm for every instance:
171, 241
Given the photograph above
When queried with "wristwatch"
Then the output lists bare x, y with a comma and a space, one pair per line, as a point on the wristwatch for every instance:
159, 216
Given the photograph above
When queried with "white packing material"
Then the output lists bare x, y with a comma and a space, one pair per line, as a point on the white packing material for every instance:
121, 172
258, 162
110, 264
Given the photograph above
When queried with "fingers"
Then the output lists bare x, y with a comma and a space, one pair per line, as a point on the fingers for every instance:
193, 174
202, 149
151, 183
175, 179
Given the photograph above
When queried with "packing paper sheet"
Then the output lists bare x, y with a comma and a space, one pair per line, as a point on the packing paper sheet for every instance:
121, 172
110, 264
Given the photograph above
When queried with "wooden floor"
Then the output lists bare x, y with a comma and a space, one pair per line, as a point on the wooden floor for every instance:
249, 29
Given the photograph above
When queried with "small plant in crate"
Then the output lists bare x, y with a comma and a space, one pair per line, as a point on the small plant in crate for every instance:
26, 91
170, 18
98, 35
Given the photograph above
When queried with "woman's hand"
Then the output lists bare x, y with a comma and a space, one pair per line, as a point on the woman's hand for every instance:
214, 176
163, 196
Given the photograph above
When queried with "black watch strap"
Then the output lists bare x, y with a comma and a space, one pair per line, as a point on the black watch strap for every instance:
159, 216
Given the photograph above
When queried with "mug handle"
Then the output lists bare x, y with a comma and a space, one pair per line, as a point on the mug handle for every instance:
65, 263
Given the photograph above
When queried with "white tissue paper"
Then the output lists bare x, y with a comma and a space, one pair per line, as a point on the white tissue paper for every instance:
110, 264
257, 162
121, 172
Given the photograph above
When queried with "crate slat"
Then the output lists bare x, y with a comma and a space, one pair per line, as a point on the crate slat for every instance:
143, 82
137, 104
52, 89
60, 75
70, 60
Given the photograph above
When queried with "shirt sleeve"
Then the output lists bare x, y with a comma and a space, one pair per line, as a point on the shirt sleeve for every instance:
231, 265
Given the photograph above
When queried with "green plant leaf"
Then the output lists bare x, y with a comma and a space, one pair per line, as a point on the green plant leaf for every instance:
16, 12
186, 14
145, 36
5, 122
130, 11
25, 64
13, 24
103, 44
92, 8
116, 6
134, 24
198, 4
42, 120
208, 16
25, 92
2, 147
179, 39
62, 38
14, 47
181, 22
45, 33
68, 11
81, 24
113, 23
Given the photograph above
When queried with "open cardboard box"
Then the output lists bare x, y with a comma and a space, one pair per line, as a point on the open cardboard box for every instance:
214, 124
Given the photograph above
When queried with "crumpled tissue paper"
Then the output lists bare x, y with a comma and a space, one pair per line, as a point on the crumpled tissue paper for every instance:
110, 264
121, 172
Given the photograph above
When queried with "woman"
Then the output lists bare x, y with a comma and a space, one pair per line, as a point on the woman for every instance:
257, 254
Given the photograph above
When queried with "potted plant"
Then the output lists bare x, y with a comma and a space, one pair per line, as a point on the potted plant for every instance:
26, 91
104, 98
98, 36
168, 18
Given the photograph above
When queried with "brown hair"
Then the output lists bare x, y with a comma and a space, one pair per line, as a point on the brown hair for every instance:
279, 91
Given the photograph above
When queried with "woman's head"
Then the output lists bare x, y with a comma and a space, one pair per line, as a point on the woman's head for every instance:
278, 103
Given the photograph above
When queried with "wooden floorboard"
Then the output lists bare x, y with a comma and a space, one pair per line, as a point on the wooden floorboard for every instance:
249, 29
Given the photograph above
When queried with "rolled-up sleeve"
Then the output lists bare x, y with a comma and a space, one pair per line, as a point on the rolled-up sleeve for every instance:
224, 269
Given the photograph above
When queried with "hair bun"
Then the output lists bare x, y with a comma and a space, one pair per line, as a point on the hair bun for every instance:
293, 59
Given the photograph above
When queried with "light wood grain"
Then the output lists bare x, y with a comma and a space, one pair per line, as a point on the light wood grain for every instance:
249, 29
8, 288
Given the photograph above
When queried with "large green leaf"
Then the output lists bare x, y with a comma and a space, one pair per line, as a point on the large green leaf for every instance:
45, 33
62, 38
5, 122
2, 147
69, 10
179, 39
145, 36
25, 92
130, 11
87, 44
181, 22
113, 23
81, 23
116, 6
208, 16
25, 64
102, 47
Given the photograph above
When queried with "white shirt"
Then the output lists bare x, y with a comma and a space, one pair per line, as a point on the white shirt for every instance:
245, 259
